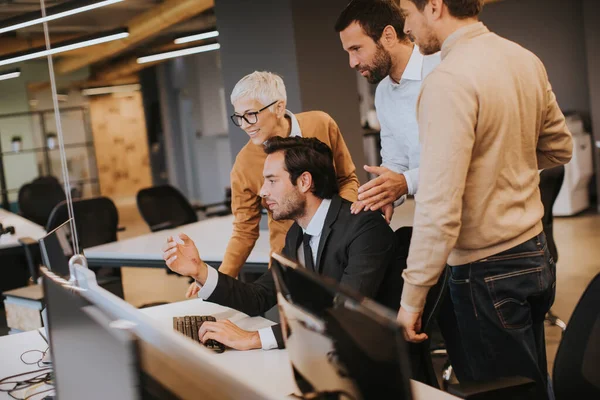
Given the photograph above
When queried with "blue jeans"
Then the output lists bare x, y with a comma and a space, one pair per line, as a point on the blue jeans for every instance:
493, 319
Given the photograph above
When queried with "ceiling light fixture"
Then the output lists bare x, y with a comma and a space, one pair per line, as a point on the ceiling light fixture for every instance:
194, 38
56, 12
178, 53
65, 46
111, 89
13, 73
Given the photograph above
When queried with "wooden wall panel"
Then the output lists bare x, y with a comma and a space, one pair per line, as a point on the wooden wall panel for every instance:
121, 144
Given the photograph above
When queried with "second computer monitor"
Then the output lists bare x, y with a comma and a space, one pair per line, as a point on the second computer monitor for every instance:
340, 344
56, 248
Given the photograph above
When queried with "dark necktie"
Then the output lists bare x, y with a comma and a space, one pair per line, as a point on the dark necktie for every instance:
308, 255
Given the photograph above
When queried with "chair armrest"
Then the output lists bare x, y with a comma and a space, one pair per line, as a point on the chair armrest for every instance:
162, 226
514, 388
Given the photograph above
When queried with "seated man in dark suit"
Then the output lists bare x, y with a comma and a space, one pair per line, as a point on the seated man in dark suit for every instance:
356, 250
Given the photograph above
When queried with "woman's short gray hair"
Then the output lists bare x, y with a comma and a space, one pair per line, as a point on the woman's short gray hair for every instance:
266, 87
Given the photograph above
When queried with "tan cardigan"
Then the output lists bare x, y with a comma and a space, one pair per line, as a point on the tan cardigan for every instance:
247, 180
488, 120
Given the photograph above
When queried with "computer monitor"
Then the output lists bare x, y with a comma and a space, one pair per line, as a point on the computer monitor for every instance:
170, 365
340, 344
56, 248
92, 356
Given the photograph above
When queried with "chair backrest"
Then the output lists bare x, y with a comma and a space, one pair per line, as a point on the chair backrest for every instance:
96, 220
164, 207
38, 198
46, 179
576, 367
551, 181
420, 354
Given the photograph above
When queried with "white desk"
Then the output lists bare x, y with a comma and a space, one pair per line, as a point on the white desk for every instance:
23, 228
211, 237
11, 348
269, 369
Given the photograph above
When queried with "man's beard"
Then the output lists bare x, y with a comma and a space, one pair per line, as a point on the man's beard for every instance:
430, 44
382, 64
293, 207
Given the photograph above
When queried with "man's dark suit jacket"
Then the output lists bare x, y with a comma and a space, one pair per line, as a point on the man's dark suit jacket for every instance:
357, 250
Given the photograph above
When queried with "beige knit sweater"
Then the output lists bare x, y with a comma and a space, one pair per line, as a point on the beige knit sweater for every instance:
488, 120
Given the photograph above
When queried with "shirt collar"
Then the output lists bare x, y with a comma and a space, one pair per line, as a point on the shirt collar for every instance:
315, 226
466, 32
414, 68
295, 125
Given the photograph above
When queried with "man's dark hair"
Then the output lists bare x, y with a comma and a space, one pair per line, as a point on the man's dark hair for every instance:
373, 16
460, 9
307, 155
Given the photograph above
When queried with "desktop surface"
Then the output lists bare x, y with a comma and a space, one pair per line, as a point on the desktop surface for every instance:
211, 237
277, 376
23, 228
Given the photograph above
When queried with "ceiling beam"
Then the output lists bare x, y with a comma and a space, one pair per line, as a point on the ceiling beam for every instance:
35, 87
141, 28
130, 65
15, 45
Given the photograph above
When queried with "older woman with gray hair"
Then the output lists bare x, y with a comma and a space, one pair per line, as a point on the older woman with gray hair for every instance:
259, 100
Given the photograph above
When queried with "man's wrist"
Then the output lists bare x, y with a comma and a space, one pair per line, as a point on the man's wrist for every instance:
404, 186
202, 273
254, 341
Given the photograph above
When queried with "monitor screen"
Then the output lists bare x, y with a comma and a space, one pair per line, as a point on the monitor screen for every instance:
56, 248
340, 343
92, 356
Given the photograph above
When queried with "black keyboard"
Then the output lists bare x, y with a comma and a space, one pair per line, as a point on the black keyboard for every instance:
189, 326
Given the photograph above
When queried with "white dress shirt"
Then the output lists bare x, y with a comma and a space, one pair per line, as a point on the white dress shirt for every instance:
396, 105
314, 229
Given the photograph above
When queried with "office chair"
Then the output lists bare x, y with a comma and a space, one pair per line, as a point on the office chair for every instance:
420, 353
96, 221
551, 181
46, 179
164, 207
38, 198
575, 366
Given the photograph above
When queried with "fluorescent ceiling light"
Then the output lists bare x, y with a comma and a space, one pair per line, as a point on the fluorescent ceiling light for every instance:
194, 38
65, 46
13, 73
111, 89
178, 53
60, 11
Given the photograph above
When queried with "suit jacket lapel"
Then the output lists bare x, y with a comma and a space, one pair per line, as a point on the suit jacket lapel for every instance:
294, 241
334, 208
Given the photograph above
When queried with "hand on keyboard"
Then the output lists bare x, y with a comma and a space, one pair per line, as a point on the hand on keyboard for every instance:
190, 325
231, 335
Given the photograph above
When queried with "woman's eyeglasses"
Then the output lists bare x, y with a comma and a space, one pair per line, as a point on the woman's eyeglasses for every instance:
251, 117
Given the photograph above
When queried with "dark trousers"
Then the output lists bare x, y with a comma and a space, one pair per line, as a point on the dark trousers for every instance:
493, 317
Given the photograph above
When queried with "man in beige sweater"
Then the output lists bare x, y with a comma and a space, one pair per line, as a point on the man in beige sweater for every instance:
488, 121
